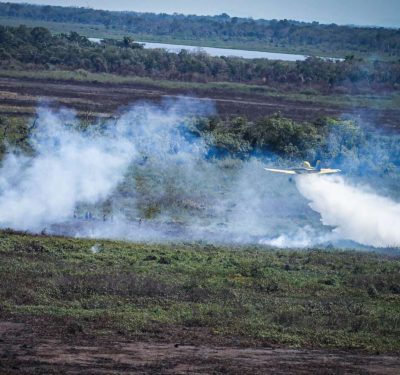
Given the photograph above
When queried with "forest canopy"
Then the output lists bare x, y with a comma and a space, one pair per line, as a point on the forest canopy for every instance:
36, 48
223, 28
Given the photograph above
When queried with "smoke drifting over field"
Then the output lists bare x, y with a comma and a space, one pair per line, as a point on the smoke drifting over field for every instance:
147, 176
68, 167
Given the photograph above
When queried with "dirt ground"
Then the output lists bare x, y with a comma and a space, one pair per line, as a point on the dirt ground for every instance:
20, 96
25, 350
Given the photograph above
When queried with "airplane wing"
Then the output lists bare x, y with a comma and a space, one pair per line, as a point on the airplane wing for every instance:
285, 171
329, 171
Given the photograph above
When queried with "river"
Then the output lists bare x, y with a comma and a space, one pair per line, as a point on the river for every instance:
213, 51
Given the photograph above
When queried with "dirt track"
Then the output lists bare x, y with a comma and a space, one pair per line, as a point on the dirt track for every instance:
24, 351
21, 96
105, 99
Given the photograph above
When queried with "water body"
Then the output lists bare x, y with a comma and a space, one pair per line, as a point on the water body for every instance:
212, 51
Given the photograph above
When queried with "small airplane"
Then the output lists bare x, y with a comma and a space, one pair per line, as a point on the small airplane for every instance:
305, 169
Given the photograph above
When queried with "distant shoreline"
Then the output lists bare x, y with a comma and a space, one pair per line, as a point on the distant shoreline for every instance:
226, 52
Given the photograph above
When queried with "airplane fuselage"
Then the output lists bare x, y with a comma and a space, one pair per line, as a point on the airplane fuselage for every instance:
304, 170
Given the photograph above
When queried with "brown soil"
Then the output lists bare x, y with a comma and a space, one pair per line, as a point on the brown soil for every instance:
26, 350
104, 99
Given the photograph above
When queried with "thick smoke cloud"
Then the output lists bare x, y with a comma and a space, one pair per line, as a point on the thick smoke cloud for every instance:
148, 177
71, 166
68, 167
357, 213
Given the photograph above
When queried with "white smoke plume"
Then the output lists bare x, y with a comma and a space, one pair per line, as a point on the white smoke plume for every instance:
147, 177
71, 166
68, 167
357, 213
302, 238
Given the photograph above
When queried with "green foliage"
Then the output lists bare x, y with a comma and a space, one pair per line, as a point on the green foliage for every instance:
283, 136
14, 133
255, 295
223, 29
339, 143
35, 48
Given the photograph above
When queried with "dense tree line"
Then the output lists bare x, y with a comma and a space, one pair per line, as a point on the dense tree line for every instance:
342, 143
280, 135
36, 48
283, 33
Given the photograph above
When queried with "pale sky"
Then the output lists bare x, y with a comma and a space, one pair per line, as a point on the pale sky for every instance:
358, 12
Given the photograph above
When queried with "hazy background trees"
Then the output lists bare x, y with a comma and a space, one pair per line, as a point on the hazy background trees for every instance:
36, 48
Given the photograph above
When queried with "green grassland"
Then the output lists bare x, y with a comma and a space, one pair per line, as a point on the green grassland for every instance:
243, 295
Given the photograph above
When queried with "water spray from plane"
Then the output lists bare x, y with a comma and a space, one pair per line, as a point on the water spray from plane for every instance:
356, 212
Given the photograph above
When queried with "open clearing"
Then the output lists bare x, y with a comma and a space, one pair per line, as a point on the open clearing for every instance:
19, 96
102, 99
23, 351
194, 308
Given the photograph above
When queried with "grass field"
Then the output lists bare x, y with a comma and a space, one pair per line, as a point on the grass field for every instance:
384, 101
202, 293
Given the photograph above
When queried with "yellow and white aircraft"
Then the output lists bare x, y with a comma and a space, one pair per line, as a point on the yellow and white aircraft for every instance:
305, 169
